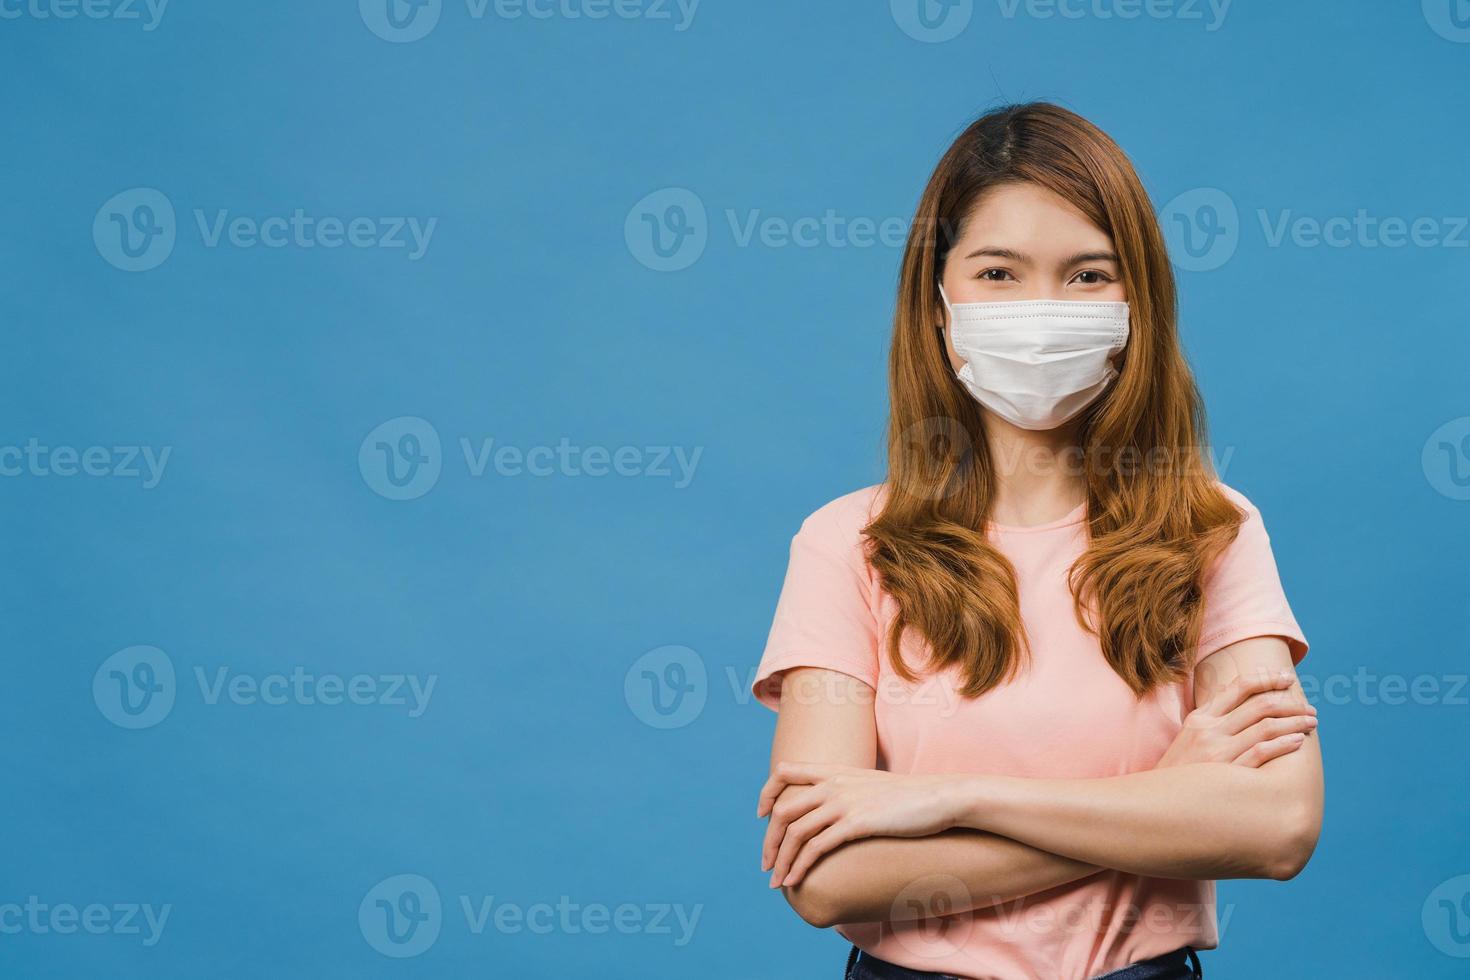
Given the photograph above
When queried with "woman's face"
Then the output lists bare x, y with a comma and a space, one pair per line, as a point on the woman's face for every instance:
1021, 241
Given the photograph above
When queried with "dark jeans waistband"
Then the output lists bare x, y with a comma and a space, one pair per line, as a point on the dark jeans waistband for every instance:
1181, 964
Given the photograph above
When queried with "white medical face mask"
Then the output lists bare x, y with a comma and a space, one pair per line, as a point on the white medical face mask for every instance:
1037, 363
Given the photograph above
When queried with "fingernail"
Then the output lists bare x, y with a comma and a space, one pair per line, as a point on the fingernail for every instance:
1298, 737
1311, 722
1312, 708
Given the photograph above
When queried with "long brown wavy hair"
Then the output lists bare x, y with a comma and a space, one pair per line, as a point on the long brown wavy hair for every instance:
1156, 515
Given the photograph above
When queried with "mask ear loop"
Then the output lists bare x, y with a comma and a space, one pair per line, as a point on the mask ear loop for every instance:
948, 309
939, 328
944, 298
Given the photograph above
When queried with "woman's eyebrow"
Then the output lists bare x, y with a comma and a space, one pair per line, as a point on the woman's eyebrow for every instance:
996, 251
1102, 256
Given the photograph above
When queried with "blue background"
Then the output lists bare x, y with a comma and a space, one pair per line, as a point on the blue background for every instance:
531, 318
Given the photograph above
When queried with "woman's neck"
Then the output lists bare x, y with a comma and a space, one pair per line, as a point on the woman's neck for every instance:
1039, 476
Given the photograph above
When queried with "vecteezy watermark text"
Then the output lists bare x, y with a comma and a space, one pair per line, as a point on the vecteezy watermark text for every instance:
402, 459
39, 918
937, 21
1365, 687
136, 230
136, 688
403, 915
1204, 228
149, 13
120, 462
405, 21
676, 463
302, 687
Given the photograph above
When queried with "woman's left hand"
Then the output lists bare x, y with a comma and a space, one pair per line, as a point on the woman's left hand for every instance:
816, 808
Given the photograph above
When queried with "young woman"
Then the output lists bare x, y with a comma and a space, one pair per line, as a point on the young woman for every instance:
1036, 690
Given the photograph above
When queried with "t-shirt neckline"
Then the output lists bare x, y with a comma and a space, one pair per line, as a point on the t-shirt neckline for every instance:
1076, 516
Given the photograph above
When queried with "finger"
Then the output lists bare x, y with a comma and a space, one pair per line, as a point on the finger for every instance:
1258, 707
1245, 685
785, 774
1271, 728
793, 805
774, 786
824, 843
798, 834
1263, 752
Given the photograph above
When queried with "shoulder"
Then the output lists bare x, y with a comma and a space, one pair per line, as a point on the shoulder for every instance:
841, 521
1250, 514
836, 528
1239, 500
1249, 542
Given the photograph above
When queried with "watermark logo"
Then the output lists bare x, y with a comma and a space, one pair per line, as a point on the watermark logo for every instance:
135, 230
932, 21
667, 687
400, 21
1202, 227
401, 916
1446, 459
928, 916
135, 687
1450, 19
940, 455
667, 231
401, 459
1446, 917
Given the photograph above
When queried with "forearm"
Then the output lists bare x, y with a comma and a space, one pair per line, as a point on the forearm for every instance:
1197, 821
871, 880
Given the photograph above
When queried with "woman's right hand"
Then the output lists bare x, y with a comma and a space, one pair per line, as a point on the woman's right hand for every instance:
1250, 722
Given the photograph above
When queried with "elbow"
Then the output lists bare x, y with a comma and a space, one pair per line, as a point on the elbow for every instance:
1293, 841
818, 906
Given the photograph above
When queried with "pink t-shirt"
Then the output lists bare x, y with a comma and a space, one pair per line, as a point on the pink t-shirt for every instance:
1067, 716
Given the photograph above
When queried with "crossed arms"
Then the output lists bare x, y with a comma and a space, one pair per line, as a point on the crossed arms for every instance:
1237, 795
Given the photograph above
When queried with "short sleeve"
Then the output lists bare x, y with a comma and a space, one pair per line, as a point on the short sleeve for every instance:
1243, 596
824, 617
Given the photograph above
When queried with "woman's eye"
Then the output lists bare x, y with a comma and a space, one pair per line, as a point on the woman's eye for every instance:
1091, 277
995, 275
